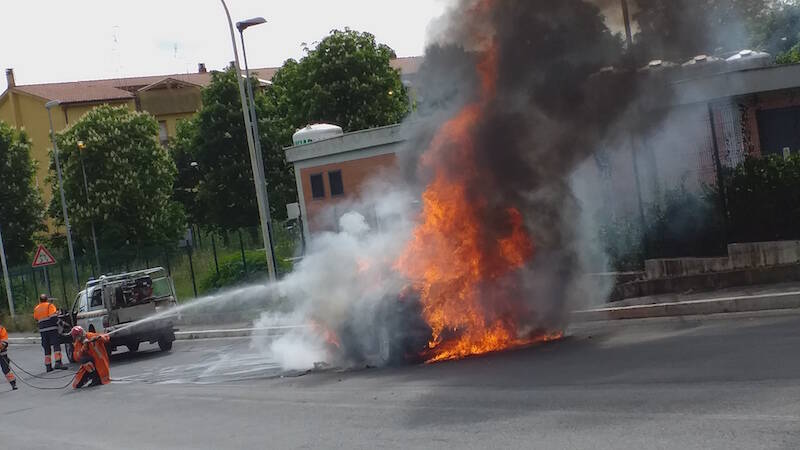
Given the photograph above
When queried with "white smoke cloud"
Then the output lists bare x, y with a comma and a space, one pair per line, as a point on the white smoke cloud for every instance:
343, 283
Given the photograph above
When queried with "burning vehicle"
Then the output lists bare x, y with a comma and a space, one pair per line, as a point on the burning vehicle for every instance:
516, 100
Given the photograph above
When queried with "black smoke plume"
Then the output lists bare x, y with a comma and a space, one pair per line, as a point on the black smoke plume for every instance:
563, 88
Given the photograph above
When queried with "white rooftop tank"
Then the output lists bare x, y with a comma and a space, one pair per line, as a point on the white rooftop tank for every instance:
315, 133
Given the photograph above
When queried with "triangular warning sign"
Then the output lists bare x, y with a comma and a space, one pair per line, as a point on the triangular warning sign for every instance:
43, 258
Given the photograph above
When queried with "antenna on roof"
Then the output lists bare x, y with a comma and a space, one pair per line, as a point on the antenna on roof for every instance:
116, 57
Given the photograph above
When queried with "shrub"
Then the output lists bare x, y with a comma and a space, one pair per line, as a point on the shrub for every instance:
764, 199
680, 224
231, 270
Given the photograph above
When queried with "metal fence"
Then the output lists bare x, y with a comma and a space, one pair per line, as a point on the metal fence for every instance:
197, 265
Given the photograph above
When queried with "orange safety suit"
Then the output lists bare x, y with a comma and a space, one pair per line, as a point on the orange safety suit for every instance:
46, 315
4, 357
96, 350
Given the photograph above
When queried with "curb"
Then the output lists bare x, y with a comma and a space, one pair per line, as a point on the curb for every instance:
750, 303
199, 334
235, 332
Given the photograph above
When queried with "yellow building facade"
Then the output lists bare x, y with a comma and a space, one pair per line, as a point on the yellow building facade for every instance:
169, 98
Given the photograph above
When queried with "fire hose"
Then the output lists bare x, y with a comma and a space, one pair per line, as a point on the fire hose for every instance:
44, 388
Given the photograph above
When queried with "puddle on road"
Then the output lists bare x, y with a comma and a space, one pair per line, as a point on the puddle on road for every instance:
222, 369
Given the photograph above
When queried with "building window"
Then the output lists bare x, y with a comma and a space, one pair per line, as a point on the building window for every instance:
163, 135
335, 180
317, 186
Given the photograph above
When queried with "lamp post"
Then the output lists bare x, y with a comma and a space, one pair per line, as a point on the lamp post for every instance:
49, 105
241, 26
626, 18
258, 174
6, 278
81, 148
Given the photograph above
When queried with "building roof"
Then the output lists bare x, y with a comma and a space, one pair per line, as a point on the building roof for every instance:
349, 142
124, 88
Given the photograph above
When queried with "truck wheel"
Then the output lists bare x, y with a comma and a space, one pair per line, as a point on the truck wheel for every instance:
133, 347
164, 345
70, 348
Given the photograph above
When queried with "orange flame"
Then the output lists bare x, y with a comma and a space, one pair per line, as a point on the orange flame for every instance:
447, 257
325, 333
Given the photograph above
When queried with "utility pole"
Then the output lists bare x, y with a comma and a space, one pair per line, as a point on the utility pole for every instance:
241, 26
49, 105
260, 183
5, 274
626, 17
81, 148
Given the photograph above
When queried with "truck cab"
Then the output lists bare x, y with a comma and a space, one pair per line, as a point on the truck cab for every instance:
133, 307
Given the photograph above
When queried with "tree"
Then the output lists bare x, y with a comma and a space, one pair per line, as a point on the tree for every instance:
346, 80
215, 181
21, 207
676, 30
778, 31
130, 180
185, 189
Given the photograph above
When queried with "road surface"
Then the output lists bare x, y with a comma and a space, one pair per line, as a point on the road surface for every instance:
731, 383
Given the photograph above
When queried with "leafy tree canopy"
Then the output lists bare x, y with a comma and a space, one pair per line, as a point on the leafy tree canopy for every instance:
676, 30
215, 180
21, 206
130, 179
345, 80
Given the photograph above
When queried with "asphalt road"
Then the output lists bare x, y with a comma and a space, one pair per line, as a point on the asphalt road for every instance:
730, 383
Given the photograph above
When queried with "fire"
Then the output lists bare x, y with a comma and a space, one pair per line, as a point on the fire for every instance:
325, 333
453, 269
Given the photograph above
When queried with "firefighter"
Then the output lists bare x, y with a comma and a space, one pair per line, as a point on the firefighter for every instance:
90, 352
46, 315
4, 359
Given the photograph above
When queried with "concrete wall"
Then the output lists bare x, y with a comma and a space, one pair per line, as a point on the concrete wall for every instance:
764, 254
752, 255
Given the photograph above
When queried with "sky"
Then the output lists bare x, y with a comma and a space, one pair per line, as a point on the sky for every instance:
57, 40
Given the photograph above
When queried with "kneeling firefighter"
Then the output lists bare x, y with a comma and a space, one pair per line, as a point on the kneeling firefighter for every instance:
4, 359
90, 352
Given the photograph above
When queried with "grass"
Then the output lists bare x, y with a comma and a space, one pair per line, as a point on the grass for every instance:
26, 291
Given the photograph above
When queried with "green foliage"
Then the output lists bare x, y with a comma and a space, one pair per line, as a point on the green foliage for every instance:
676, 30
185, 190
764, 199
22, 323
218, 191
345, 80
130, 179
680, 224
20, 202
778, 30
621, 239
231, 270
790, 56
684, 224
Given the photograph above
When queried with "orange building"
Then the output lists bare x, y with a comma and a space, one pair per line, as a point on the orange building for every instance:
331, 172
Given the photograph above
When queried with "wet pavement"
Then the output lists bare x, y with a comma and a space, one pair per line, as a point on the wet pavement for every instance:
726, 383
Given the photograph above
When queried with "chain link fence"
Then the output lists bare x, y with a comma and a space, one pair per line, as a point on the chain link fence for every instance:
202, 262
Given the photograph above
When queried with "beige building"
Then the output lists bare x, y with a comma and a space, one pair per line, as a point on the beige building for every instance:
170, 98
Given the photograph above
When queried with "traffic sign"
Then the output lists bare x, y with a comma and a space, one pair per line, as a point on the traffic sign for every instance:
43, 257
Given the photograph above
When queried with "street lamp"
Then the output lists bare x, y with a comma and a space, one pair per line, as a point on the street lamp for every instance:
50, 105
81, 148
241, 26
6, 278
255, 156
